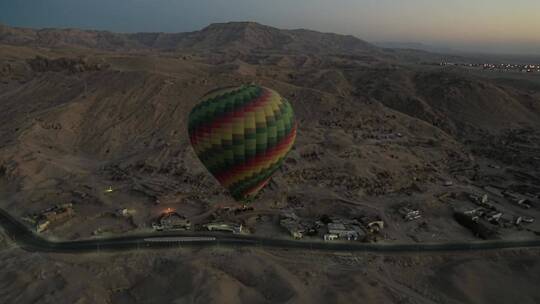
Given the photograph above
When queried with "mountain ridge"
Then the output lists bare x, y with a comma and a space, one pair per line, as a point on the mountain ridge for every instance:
237, 36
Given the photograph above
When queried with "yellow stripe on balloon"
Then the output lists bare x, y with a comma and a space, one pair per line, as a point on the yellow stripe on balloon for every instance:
262, 166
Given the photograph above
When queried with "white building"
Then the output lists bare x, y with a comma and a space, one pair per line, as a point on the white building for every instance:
343, 232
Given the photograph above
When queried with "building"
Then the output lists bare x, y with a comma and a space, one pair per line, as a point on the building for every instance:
58, 215
42, 225
124, 212
172, 221
330, 237
294, 227
410, 214
477, 227
376, 226
47, 217
343, 232
291, 222
234, 228
494, 217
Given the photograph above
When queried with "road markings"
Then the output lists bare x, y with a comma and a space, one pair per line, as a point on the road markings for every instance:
180, 239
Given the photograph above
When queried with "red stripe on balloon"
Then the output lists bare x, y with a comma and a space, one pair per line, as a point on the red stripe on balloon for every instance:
256, 188
258, 160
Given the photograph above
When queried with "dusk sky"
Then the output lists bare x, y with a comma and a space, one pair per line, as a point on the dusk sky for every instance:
498, 26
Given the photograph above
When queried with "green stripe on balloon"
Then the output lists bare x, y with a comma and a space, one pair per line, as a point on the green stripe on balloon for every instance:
239, 188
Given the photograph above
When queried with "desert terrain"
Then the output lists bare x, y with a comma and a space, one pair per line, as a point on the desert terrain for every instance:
379, 130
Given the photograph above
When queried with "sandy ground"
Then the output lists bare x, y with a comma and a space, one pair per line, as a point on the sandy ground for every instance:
69, 135
229, 275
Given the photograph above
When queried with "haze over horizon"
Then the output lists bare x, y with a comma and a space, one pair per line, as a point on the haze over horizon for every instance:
483, 26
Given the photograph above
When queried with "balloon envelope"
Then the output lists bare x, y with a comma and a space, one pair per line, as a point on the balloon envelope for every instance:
242, 135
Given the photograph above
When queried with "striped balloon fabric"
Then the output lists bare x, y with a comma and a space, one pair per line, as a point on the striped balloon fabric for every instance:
242, 135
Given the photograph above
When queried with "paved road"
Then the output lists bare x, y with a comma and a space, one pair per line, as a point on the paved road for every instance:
30, 241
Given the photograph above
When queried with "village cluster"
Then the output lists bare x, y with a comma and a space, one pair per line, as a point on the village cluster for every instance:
501, 67
483, 218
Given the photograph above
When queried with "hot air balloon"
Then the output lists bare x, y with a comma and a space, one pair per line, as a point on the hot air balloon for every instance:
242, 135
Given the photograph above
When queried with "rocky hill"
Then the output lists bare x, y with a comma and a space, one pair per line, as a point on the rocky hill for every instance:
371, 130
